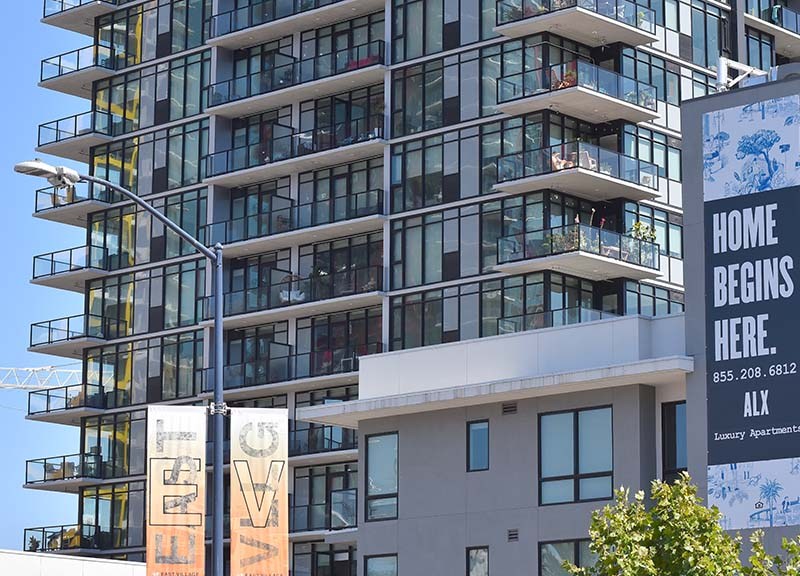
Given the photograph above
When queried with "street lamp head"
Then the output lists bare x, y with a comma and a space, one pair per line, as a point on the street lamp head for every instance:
58, 176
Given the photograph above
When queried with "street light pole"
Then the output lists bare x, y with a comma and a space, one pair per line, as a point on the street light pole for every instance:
63, 177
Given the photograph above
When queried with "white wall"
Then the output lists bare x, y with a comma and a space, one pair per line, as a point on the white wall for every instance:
41, 564
526, 354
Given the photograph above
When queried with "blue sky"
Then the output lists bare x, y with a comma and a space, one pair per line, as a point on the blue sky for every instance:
24, 42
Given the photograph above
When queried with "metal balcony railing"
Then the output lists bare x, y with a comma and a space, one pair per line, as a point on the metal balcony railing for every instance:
577, 73
64, 398
70, 260
623, 11
294, 145
319, 439
95, 122
283, 216
574, 238
257, 13
50, 198
297, 73
75, 327
76, 60
550, 318
781, 16
582, 155
65, 537
69, 467
53, 7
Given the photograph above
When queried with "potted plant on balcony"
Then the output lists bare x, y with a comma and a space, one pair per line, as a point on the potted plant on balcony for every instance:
33, 544
642, 231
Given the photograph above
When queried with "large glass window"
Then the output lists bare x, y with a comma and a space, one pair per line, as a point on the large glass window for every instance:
309, 437
320, 559
477, 446
382, 477
114, 444
668, 226
380, 565
478, 561
324, 497
673, 439
760, 48
575, 456
650, 300
553, 554
113, 515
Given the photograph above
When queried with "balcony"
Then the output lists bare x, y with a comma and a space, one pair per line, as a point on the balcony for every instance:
65, 404
296, 152
333, 73
578, 168
73, 137
72, 205
290, 295
76, 15
551, 319
73, 72
580, 250
340, 512
69, 337
72, 538
579, 89
320, 440
781, 23
63, 473
70, 269
268, 20
287, 225
591, 22
281, 367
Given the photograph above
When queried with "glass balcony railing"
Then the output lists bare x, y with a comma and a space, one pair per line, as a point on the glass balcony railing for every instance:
622, 11
64, 398
574, 238
292, 289
780, 16
75, 327
550, 318
315, 440
578, 73
582, 155
258, 13
296, 73
294, 145
283, 216
76, 60
53, 7
54, 538
101, 123
281, 364
49, 198
338, 513
69, 467
71, 260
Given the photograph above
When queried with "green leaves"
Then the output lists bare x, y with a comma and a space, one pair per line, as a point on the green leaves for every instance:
676, 536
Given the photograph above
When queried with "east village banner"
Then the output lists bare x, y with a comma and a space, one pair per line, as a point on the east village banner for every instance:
176, 489
751, 186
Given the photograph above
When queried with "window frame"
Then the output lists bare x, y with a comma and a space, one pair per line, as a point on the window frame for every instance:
472, 549
469, 445
669, 474
576, 476
395, 495
374, 556
576, 543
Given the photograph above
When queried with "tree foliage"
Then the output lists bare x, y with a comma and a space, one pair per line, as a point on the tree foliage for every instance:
675, 536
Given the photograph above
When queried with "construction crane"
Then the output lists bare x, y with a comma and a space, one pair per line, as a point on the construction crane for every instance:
38, 378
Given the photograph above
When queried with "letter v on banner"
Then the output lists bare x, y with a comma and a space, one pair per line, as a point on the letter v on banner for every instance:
259, 492
176, 490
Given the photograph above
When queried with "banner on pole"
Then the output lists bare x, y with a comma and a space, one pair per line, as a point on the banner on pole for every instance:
259, 512
176, 490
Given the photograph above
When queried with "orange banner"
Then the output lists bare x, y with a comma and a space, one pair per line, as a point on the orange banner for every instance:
259, 492
176, 490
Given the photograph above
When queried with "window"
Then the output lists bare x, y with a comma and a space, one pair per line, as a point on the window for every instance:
114, 444
575, 456
380, 565
478, 561
553, 554
477, 446
760, 49
113, 515
381, 481
324, 497
319, 559
673, 439
652, 301
667, 226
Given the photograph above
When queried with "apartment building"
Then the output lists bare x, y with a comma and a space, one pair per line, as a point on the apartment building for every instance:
453, 250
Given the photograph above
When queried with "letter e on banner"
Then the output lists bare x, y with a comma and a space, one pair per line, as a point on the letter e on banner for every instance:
259, 492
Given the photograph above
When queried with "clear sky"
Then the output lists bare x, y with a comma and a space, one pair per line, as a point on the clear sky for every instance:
24, 42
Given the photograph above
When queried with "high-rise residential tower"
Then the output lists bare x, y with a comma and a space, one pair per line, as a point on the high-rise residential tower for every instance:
454, 251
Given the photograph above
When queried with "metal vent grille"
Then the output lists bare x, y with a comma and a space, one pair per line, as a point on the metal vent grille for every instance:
513, 535
509, 408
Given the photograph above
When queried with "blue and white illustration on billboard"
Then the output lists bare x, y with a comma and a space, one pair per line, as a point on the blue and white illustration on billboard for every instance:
756, 494
750, 149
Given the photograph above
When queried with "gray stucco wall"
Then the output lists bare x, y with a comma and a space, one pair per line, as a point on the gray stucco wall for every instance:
443, 509
691, 115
